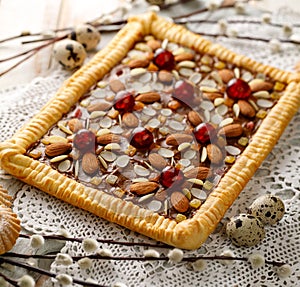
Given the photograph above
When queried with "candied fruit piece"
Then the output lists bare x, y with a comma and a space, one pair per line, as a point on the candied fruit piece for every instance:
205, 133
84, 140
164, 60
184, 92
171, 176
124, 102
142, 138
238, 89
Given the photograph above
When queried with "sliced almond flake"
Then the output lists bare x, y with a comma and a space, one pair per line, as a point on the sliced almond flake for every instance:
218, 101
149, 165
108, 156
226, 122
247, 76
103, 132
141, 171
171, 46
144, 118
164, 131
135, 54
137, 72
111, 179
157, 86
199, 193
205, 68
261, 76
166, 112
190, 154
62, 127
145, 197
222, 110
149, 111
96, 180
167, 153
54, 139
76, 168
99, 93
263, 103
203, 154
195, 181
157, 106
232, 150
236, 110
208, 89
185, 72
216, 76
166, 207
154, 123
207, 105
102, 161
187, 64
208, 83
216, 119
59, 158
254, 105
143, 47
137, 85
64, 165
140, 179
101, 85
178, 117
87, 123
144, 89
97, 114
116, 130
155, 205
183, 146
175, 125
145, 78
112, 146
206, 115
208, 185
178, 51
184, 162
187, 193
237, 72
176, 75
85, 102
188, 168
164, 44
262, 94
195, 78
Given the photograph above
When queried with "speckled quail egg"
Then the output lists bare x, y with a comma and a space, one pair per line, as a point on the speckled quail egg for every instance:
245, 230
69, 53
269, 208
87, 35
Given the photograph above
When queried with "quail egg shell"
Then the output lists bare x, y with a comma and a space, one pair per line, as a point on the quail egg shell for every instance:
87, 35
269, 208
69, 53
245, 230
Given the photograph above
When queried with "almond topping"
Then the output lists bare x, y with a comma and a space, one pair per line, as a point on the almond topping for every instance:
177, 139
214, 153
184, 57
148, 98
116, 86
226, 75
165, 76
200, 172
75, 125
108, 138
138, 63
100, 106
130, 120
90, 163
233, 130
260, 85
142, 188
154, 44
246, 109
194, 118
179, 201
157, 161
58, 148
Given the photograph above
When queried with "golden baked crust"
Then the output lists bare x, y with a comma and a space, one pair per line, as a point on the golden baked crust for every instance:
190, 233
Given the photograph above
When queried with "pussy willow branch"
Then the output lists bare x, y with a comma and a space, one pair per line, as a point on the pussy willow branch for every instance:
44, 272
138, 258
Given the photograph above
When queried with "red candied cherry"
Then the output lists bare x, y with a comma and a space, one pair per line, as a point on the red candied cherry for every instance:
142, 138
238, 89
84, 140
171, 175
183, 91
78, 113
204, 133
164, 60
124, 102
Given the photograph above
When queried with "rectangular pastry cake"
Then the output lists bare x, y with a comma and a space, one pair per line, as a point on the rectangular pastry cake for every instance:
159, 132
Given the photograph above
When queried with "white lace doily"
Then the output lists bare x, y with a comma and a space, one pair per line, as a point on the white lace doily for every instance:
279, 174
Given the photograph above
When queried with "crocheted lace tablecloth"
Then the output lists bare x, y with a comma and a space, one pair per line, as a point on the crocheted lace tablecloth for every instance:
279, 174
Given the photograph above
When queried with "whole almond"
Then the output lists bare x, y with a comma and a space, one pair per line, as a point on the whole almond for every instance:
116, 85
56, 149
90, 163
185, 56
212, 96
177, 139
161, 195
179, 201
138, 63
226, 75
148, 98
75, 125
100, 106
108, 138
233, 130
200, 172
142, 188
214, 154
165, 76
194, 118
260, 85
154, 44
130, 120
246, 109
157, 161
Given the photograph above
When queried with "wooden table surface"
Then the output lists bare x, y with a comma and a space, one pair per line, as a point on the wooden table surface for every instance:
45, 15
